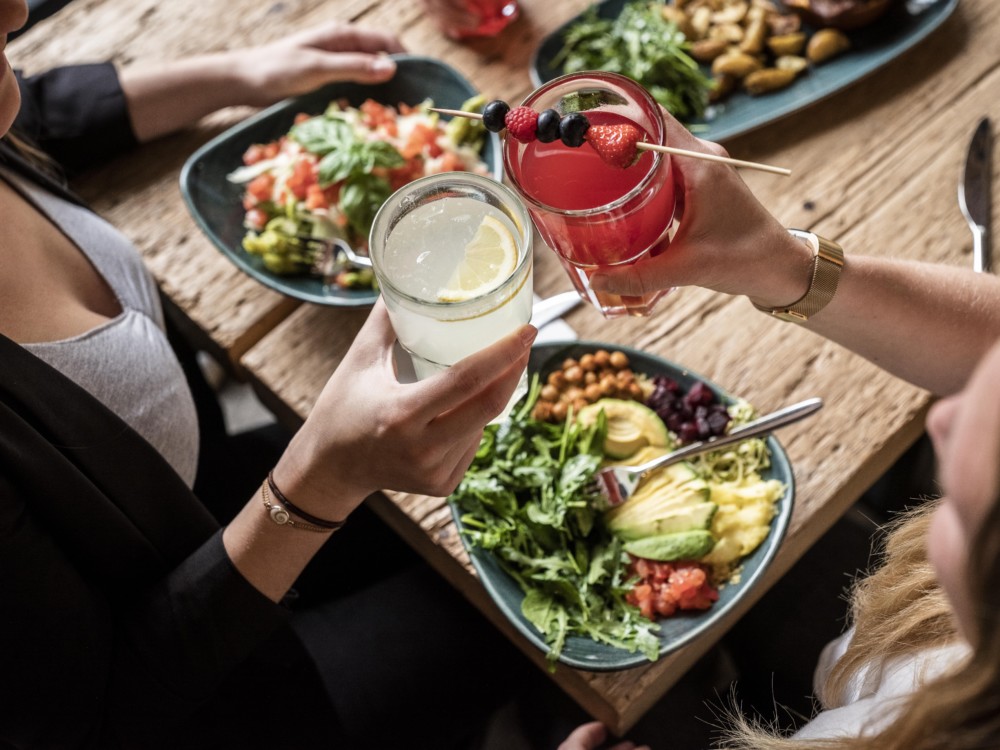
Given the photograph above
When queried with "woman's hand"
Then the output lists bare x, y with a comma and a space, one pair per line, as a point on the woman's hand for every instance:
164, 98
590, 736
307, 60
369, 432
726, 241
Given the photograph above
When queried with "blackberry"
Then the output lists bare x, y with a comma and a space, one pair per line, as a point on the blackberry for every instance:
573, 128
494, 114
548, 126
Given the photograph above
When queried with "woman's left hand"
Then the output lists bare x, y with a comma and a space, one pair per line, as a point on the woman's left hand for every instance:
164, 98
309, 59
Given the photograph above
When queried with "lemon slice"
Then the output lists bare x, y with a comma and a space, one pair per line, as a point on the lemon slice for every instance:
490, 258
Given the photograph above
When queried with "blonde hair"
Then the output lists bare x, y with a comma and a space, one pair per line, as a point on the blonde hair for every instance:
900, 610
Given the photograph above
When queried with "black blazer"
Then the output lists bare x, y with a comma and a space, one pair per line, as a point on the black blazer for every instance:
124, 623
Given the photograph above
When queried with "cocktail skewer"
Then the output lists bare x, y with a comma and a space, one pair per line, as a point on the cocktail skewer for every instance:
654, 147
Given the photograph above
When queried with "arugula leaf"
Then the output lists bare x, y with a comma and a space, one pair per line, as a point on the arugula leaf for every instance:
641, 44
527, 499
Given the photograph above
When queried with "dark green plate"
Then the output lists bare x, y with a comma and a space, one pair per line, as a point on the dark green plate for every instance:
216, 204
684, 627
905, 24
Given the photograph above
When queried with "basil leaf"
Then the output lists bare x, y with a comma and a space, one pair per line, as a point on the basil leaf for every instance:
360, 199
320, 135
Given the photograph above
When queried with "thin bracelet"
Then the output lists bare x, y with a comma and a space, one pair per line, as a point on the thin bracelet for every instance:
282, 517
322, 523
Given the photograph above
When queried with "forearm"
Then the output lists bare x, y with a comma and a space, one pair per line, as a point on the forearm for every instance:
927, 323
163, 99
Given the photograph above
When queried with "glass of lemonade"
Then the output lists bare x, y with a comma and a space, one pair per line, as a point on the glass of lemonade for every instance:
453, 258
595, 215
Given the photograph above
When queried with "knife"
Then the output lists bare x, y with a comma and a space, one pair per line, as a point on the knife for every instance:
554, 307
974, 197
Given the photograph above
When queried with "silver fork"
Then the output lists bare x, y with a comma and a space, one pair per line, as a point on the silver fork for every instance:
617, 483
337, 248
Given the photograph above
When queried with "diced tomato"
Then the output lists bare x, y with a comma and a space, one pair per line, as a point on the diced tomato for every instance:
666, 587
260, 151
255, 219
451, 163
375, 115
420, 140
302, 117
260, 188
303, 175
408, 172
316, 198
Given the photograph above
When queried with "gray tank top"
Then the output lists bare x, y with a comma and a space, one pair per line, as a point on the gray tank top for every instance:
126, 363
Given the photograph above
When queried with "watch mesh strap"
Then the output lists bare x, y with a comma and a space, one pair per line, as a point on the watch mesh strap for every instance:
827, 265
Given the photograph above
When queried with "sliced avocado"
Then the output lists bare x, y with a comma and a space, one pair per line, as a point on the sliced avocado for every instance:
683, 545
683, 518
663, 491
631, 426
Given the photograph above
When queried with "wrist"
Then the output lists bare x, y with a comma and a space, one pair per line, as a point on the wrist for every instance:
312, 482
791, 268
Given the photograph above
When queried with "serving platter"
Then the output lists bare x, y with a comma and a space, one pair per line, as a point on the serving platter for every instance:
682, 628
216, 203
904, 25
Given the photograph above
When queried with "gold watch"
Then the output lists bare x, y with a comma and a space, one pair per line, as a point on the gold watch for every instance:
828, 262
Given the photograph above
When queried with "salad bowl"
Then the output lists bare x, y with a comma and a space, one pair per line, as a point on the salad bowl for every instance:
683, 627
215, 202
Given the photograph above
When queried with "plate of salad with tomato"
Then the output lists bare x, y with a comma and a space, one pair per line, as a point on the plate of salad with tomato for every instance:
320, 166
600, 588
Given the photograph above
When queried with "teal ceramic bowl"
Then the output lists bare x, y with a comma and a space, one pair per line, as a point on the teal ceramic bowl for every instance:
216, 204
905, 24
684, 627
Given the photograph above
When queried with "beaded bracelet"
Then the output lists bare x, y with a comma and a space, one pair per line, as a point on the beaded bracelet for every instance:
287, 507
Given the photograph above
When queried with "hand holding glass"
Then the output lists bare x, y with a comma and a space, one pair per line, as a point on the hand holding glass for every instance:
452, 255
593, 214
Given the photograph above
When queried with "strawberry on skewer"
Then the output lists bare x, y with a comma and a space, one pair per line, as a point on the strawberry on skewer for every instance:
617, 145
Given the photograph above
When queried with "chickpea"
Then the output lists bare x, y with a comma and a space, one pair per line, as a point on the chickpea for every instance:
573, 393
619, 360
557, 380
602, 358
635, 391
568, 363
559, 411
588, 363
549, 393
608, 385
593, 392
542, 411
579, 404
624, 377
589, 377
573, 374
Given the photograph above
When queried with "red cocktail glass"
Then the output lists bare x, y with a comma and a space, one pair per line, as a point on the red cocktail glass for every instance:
595, 215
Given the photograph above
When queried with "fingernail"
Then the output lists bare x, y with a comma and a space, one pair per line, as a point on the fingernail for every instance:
528, 334
383, 65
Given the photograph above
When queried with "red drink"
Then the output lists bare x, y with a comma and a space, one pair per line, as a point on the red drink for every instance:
592, 214
492, 16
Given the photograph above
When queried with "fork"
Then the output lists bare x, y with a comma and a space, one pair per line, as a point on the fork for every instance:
337, 247
617, 483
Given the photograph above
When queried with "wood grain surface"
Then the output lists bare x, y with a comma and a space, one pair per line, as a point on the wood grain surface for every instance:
875, 167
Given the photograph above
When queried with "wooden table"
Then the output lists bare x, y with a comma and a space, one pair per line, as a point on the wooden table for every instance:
875, 167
